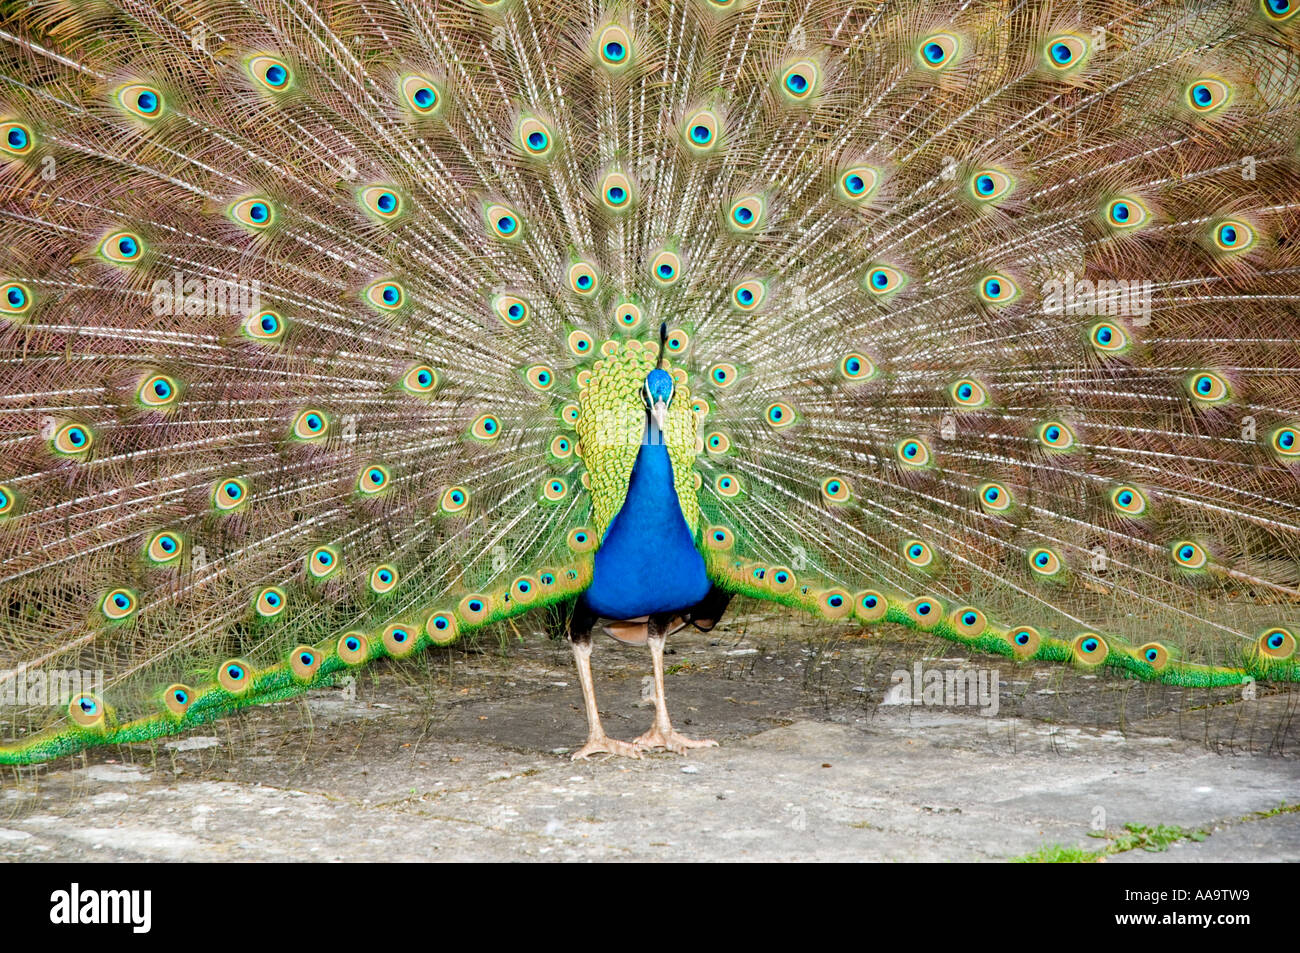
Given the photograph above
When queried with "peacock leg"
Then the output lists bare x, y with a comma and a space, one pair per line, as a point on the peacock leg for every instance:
661, 733
597, 741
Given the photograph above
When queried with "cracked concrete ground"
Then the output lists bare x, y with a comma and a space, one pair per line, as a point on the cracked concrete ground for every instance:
461, 755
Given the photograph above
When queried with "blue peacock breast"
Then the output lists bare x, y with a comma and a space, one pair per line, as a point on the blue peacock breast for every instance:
647, 563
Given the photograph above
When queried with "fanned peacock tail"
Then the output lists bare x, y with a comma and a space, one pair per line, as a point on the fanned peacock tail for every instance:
324, 324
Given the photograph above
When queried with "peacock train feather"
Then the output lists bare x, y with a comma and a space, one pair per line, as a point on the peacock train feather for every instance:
329, 328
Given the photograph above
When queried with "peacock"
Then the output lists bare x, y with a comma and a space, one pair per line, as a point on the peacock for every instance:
332, 330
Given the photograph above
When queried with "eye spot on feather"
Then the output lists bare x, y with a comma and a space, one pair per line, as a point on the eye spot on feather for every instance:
627, 315
8, 501
856, 185
677, 342
141, 100
512, 310
486, 427
883, 280
569, 414
937, 51
311, 424
441, 628
1208, 388
474, 609
382, 202
1208, 95
582, 279
1109, 337
718, 538
420, 380
158, 391
614, 49
234, 676
16, 138
800, 80
727, 484
781, 580
870, 606
913, 452
535, 138
271, 73
700, 132
1278, 11
454, 499
524, 589
265, 326
1045, 562
383, 579
86, 711
561, 447
1090, 649
779, 415
269, 602
1155, 655
1189, 555
968, 394
995, 498
386, 295
836, 490
717, 443
917, 553
353, 648
255, 213
1055, 436
722, 375
119, 604
122, 248
503, 221
666, 268
581, 540
990, 185
968, 622
554, 489
1128, 500
323, 562
746, 213
540, 377
925, 612
164, 548
834, 603
998, 289
748, 294
229, 494
73, 440
580, 343
1025, 641
1125, 213
15, 300
1286, 442
1233, 236
177, 699
857, 367
1277, 644
1065, 52
304, 662
399, 640
373, 479
616, 193
421, 95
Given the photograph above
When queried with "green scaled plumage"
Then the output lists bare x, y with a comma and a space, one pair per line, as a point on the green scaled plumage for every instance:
983, 317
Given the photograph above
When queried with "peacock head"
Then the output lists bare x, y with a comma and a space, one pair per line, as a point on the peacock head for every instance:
658, 394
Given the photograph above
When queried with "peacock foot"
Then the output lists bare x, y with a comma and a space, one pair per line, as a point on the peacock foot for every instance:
605, 745
671, 740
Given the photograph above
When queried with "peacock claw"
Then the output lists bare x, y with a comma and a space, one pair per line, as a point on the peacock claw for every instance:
671, 740
604, 745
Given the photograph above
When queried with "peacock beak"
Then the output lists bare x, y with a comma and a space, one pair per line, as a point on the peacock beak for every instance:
659, 412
